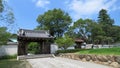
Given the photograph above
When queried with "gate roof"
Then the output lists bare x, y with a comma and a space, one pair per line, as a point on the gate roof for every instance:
34, 33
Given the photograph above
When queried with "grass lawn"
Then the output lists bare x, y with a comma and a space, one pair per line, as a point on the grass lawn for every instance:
13, 63
103, 51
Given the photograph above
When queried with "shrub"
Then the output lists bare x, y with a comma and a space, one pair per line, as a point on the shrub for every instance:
65, 42
8, 57
69, 51
33, 48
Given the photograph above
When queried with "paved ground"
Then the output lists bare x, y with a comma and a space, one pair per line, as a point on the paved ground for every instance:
58, 62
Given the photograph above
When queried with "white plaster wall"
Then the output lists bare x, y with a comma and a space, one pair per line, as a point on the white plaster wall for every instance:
54, 48
8, 50
71, 47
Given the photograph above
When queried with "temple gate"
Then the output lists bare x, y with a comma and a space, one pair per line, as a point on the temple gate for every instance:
26, 36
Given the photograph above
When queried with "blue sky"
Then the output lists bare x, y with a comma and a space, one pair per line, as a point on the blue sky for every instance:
27, 11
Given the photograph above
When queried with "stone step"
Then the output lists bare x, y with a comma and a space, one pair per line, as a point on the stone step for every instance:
23, 57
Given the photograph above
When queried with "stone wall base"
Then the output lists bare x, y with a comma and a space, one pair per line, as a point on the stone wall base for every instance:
109, 60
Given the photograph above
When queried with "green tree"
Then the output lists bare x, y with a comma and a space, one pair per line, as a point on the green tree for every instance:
1, 6
83, 28
115, 33
71, 33
13, 36
4, 35
104, 18
6, 19
64, 42
56, 21
106, 24
97, 33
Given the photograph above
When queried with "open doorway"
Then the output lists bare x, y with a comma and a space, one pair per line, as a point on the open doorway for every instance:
33, 48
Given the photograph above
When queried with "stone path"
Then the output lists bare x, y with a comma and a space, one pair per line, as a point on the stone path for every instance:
58, 62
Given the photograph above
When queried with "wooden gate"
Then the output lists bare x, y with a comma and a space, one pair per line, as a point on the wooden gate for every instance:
27, 36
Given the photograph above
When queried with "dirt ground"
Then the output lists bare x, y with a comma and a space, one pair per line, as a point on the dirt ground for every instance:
58, 62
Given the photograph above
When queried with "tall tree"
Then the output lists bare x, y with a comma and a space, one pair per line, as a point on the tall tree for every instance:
97, 33
106, 22
6, 18
71, 33
104, 18
83, 28
56, 21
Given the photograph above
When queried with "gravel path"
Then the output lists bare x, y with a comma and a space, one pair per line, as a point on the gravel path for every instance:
58, 62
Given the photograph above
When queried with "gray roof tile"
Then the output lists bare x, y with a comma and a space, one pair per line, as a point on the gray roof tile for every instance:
34, 33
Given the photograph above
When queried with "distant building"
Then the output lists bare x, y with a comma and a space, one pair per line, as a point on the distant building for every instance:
78, 42
12, 41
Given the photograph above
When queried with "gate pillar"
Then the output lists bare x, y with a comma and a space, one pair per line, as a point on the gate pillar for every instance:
22, 48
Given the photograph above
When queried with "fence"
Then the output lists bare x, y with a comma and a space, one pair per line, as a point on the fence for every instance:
88, 46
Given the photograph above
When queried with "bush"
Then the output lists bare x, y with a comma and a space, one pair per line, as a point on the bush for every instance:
33, 48
8, 57
65, 42
69, 51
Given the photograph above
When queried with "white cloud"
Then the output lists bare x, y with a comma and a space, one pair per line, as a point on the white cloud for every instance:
41, 3
86, 8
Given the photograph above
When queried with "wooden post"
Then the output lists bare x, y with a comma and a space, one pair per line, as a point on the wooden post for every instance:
40, 47
22, 48
45, 47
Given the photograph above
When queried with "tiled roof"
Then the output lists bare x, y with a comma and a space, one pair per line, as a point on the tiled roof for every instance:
79, 40
34, 33
13, 40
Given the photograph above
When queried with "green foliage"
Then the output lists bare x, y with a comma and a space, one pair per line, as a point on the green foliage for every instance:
4, 35
103, 51
115, 33
97, 34
13, 63
64, 42
101, 32
8, 57
104, 18
107, 27
56, 21
13, 36
83, 27
71, 33
69, 51
33, 48
1, 6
